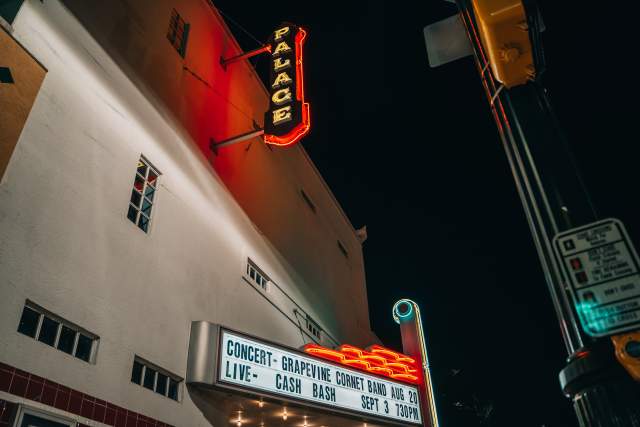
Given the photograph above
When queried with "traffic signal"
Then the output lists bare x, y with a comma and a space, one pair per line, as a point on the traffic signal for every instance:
504, 33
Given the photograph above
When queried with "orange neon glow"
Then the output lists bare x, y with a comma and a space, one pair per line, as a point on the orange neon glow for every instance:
377, 360
303, 127
391, 355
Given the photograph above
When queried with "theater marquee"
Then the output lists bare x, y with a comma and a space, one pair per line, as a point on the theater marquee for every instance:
250, 365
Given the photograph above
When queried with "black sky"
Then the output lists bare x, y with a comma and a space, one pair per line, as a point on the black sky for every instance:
413, 153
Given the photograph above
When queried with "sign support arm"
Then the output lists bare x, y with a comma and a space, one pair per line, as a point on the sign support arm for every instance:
213, 145
246, 55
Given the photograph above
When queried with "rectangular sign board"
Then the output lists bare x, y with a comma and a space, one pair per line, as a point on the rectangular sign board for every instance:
256, 366
603, 270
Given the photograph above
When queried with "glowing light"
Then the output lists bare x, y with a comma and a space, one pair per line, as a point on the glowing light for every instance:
285, 415
376, 360
295, 134
260, 404
402, 309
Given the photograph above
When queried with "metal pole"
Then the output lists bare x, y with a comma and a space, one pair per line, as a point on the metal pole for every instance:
239, 138
538, 223
406, 313
226, 61
555, 199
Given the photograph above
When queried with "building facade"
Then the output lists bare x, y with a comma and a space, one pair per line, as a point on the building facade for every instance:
119, 227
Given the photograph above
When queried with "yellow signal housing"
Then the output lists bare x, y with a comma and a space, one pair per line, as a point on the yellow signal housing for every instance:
505, 37
628, 352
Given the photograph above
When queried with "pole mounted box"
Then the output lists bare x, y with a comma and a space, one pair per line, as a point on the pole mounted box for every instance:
504, 33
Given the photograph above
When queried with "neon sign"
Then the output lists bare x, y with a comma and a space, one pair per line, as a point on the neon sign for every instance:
288, 118
378, 360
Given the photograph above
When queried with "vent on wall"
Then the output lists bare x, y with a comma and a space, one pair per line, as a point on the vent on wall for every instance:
308, 201
343, 249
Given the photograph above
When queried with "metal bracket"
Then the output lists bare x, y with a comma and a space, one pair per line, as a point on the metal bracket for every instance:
214, 146
226, 61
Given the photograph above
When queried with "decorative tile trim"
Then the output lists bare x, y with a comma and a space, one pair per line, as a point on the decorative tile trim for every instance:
38, 389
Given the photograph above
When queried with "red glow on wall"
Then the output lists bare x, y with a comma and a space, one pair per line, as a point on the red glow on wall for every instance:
304, 126
377, 360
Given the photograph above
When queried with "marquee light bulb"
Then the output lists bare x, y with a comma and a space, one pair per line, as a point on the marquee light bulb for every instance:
284, 414
260, 404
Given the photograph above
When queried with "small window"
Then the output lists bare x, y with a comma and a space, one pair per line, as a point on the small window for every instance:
161, 384
67, 339
136, 372
155, 379
257, 276
145, 185
29, 322
173, 389
9, 9
149, 378
312, 327
343, 249
83, 348
28, 417
178, 33
6, 76
307, 199
50, 329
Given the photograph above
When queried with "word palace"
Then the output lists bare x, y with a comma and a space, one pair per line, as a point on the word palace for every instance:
287, 119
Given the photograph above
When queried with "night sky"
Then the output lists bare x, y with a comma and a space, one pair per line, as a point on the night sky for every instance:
413, 154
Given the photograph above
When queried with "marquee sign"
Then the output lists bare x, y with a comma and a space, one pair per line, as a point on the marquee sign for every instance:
287, 119
236, 362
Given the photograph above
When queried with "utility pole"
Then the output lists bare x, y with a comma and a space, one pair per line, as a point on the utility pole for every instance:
504, 36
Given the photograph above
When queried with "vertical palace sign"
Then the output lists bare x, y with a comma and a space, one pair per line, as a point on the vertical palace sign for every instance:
287, 119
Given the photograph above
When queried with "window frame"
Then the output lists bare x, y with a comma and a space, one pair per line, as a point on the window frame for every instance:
312, 326
264, 284
40, 413
6, 19
143, 196
42, 313
158, 371
173, 33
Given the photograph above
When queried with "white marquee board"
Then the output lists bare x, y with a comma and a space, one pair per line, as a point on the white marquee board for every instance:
602, 267
256, 366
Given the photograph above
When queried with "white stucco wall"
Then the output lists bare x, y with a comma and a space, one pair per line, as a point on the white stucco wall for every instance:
66, 244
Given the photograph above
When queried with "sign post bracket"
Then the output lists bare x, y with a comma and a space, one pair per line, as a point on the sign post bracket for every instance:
214, 146
246, 55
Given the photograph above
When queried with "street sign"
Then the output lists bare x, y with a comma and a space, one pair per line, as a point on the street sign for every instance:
603, 270
446, 41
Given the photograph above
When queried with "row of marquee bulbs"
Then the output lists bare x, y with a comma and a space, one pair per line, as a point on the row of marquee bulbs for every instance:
285, 415
375, 359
